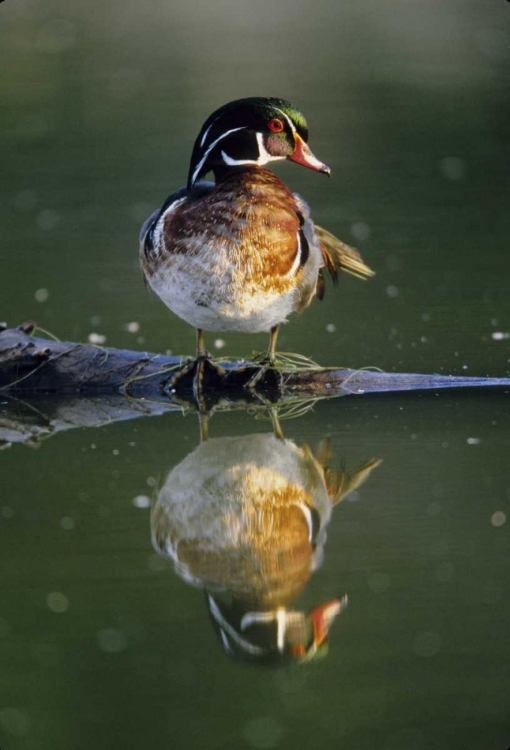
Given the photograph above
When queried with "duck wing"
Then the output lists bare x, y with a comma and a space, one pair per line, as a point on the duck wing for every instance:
338, 256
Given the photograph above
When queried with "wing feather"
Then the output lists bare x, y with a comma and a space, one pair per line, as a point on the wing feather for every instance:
341, 257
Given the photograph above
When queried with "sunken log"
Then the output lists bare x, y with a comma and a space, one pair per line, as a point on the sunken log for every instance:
34, 365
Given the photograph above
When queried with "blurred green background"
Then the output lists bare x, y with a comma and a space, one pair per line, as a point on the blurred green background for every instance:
408, 102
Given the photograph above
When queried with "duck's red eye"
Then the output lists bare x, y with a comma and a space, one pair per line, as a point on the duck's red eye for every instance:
275, 125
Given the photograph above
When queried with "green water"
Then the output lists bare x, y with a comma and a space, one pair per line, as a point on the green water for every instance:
101, 643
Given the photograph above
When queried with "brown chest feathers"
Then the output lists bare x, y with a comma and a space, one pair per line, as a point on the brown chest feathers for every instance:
250, 214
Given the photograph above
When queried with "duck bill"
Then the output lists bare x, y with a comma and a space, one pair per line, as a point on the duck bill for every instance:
322, 618
319, 620
302, 155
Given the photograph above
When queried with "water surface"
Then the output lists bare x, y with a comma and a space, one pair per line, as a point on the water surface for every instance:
101, 643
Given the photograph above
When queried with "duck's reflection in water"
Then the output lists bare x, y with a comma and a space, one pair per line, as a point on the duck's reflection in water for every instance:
244, 518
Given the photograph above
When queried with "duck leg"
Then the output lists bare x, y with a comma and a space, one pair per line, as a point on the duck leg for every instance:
275, 421
271, 352
200, 373
202, 352
267, 362
203, 420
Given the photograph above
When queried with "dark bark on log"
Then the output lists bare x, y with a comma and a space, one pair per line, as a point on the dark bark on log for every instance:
48, 387
30, 365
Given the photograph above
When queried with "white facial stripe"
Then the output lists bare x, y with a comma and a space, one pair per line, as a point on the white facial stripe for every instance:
226, 644
234, 162
205, 134
264, 155
204, 157
252, 617
263, 152
263, 158
202, 141
227, 628
281, 628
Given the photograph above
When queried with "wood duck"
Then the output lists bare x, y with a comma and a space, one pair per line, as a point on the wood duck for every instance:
241, 254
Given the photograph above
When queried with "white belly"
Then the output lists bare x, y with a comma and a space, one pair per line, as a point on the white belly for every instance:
220, 302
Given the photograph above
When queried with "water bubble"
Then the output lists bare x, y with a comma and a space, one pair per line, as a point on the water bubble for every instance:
41, 295
392, 291
96, 338
47, 219
112, 640
142, 501
360, 231
453, 168
498, 518
57, 601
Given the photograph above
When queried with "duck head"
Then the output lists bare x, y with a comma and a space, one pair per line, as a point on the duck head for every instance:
252, 131
273, 637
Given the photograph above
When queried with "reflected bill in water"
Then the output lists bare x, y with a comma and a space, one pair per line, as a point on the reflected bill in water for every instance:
244, 518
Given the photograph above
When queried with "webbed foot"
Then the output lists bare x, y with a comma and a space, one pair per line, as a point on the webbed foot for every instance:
265, 375
198, 377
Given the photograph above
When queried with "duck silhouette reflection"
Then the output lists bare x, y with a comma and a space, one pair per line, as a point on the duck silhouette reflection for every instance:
244, 518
